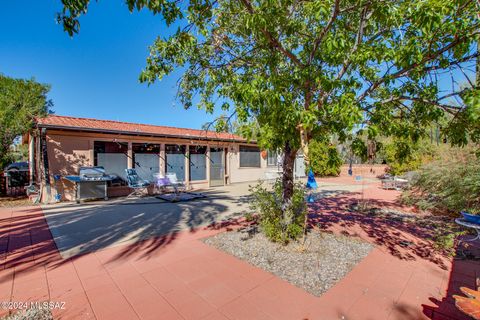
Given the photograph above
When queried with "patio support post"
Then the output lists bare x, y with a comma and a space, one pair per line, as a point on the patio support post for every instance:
162, 163
187, 166
31, 157
91, 145
208, 165
130, 156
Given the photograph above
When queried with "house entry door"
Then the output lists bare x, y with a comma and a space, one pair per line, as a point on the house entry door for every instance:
217, 167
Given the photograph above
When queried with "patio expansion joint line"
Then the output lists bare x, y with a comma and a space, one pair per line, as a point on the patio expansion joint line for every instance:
118, 288
43, 267
84, 291
6, 255
160, 293
48, 284
401, 293
368, 288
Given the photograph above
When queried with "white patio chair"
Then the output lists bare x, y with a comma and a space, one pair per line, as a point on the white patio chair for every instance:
177, 185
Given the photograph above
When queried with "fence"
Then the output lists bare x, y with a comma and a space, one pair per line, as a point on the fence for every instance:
3, 184
12, 183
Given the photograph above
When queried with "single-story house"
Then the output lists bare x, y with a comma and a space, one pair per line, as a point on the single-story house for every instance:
60, 145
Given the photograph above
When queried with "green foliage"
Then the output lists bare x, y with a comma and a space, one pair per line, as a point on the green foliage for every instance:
324, 158
402, 155
20, 102
359, 148
278, 225
448, 185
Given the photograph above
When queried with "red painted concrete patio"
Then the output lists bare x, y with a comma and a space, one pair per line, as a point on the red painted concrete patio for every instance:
179, 277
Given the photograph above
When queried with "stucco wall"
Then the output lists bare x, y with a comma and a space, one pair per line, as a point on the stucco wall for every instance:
66, 156
238, 174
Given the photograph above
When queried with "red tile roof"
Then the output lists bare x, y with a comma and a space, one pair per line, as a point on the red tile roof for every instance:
109, 126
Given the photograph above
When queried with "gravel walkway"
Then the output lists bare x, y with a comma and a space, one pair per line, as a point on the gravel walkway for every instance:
325, 259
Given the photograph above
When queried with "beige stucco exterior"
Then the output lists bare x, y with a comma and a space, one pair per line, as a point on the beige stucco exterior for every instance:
68, 150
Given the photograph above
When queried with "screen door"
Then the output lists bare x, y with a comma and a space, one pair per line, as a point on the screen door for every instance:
217, 167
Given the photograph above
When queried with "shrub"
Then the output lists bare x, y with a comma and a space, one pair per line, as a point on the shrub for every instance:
324, 158
403, 156
448, 185
275, 224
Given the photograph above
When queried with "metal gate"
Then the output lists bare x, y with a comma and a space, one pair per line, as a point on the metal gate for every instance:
217, 167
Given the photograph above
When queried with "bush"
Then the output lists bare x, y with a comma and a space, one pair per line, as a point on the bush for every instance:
403, 156
324, 158
448, 185
268, 204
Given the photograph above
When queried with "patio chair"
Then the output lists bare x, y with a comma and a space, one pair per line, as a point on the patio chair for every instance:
138, 185
388, 184
177, 186
161, 183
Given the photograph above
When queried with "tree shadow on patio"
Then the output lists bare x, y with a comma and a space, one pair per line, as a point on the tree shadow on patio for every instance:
26, 243
143, 227
464, 273
400, 236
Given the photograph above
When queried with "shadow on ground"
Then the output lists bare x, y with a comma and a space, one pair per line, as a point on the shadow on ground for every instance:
36, 237
397, 234
464, 273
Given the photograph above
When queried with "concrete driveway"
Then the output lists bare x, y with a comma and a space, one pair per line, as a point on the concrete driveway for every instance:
91, 226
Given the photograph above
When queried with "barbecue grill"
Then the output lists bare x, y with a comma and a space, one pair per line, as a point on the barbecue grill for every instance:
91, 183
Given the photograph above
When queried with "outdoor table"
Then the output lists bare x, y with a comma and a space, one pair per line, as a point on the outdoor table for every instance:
465, 223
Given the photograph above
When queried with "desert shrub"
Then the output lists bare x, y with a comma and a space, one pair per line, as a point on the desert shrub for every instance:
274, 223
451, 184
324, 158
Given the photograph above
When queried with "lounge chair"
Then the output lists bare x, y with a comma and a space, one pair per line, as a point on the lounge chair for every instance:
138, 185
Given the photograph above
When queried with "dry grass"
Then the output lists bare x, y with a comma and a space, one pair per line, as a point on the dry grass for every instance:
11, 202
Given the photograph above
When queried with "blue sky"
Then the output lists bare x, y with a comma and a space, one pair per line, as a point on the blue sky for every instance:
95, 73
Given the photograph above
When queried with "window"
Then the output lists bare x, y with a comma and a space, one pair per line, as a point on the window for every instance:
112, 156
146, 160
272, 158
198, 163
175, 156
249, 156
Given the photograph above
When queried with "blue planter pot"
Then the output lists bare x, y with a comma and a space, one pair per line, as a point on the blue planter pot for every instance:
474, 218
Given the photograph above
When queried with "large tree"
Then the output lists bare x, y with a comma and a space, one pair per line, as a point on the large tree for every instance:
305, 68
21, 101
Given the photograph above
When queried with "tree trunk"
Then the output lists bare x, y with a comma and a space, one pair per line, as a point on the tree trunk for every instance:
304, 140
287, 179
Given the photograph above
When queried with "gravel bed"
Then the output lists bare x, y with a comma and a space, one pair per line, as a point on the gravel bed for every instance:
323, 261
30, 314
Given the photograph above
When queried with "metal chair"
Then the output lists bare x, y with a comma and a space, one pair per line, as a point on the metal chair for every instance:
138, 185
178, 186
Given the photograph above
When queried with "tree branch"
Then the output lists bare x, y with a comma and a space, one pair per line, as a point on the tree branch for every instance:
347, 61
273, 41
448, 108
409, 68
318, 41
